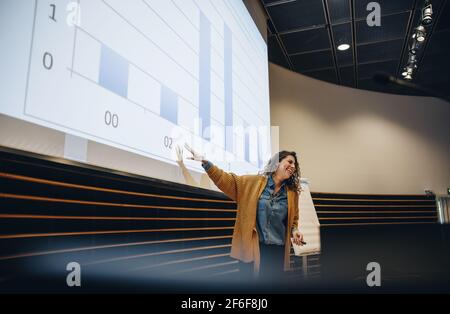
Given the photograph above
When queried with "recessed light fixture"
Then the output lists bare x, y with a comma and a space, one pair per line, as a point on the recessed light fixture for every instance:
420, 33
427, 14
419, 36
343, 47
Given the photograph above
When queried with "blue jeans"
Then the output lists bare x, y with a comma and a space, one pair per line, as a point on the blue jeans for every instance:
271, 264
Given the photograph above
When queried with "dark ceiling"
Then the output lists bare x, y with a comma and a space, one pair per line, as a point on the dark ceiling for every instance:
303, 36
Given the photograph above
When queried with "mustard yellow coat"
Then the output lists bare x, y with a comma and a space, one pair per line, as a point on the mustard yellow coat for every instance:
246, 191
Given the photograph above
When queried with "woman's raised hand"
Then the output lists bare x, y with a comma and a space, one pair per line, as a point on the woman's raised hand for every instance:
195, 156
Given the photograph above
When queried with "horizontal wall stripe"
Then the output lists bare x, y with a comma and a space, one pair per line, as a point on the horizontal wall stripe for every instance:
109, 246
361, 205
26, 216
222, 273
377, 223
17, 206
128, 257
59, 200
365, 194
337, 218
370, 200
372, 211
384, 203
92, 188
57, 234
179, 261
383, 217
204, 267
25, 226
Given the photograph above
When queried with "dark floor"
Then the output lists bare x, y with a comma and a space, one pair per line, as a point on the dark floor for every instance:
412, 258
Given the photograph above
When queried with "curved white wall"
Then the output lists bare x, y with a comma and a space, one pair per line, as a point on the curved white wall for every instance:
356, 141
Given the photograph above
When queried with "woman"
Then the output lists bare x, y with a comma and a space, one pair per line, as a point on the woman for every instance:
267, 212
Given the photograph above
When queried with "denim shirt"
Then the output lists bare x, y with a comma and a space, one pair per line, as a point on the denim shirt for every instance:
207, 165
272, 214
271, 218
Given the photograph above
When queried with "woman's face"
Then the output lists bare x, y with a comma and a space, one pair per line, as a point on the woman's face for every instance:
286, 167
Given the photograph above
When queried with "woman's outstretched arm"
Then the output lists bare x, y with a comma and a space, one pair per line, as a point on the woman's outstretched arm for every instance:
226, 182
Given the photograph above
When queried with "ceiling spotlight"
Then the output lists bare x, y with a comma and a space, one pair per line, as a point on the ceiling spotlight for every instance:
408, 73
414, 47
343, 47
427, 14
408, 70
420, 33
416, 42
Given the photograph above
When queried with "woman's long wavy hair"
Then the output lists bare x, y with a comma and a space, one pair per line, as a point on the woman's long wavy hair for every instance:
294, 181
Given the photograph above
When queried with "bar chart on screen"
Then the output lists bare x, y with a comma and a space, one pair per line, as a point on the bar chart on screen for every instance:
146, 75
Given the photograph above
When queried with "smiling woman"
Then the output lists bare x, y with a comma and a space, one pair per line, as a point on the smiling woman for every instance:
267, 213
289, 169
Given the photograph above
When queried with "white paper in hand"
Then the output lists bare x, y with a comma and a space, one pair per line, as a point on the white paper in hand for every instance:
297, 248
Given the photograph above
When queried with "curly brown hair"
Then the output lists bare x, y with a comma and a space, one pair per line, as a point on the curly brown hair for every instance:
294, 181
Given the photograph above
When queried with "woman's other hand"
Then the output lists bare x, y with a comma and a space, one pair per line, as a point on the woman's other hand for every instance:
297, 237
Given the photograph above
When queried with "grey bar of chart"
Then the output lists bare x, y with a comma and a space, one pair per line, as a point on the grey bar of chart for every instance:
113, 73
204, 83
246, 142
228, 88
169, 105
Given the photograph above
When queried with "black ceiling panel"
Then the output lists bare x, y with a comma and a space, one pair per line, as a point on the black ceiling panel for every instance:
392, 26
438, 61
270, 28
380, 51
436, 80
339, 11
307, 40
444, 20
314, 60
368, 70
328, 75
386, 7
344, 58
342, 34
297, 14
311, 31
370, 84
347, 76
436, 5
276, 54
439, 42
